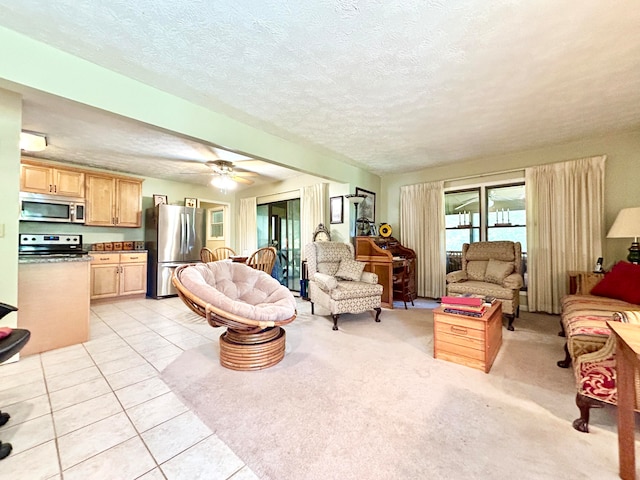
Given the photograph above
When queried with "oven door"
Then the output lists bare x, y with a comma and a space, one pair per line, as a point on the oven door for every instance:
44, 210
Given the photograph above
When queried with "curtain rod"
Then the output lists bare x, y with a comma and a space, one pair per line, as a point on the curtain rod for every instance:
480, 175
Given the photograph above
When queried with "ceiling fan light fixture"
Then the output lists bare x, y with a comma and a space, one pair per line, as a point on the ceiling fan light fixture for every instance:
224, 182
32, 141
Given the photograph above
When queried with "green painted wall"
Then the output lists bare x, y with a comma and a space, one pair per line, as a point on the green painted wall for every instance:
10, 122
621, 177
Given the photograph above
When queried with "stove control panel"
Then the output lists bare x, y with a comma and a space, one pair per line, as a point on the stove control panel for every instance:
50, 240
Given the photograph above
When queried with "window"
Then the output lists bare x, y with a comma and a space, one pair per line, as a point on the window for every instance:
215, 223
487, 212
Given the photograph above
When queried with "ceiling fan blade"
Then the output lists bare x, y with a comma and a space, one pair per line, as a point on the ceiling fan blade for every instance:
244, 173
246, 181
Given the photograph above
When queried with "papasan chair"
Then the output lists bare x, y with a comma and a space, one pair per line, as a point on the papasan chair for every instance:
249, 302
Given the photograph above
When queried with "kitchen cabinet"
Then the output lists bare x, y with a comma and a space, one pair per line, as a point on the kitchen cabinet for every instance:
118, 274
41, 178
113, 201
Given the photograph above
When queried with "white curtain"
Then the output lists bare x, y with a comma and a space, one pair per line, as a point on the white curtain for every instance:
312, 211
565, 211
248, 225
422, 228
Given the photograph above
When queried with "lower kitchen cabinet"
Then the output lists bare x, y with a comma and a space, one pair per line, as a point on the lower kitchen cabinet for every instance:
118, 274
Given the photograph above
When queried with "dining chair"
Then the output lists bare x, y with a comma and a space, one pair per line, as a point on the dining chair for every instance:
222, 253
263, 259
207, 255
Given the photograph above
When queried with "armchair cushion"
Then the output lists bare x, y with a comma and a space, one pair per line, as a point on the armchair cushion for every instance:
369, 277
476, 270
497, 271
350, 269
326, 282
622, 283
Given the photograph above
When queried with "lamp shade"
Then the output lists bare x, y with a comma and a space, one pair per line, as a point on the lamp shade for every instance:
627, 224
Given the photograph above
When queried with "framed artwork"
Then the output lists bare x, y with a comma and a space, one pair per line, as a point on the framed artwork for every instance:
159, 200
367, 208
191, 202
336, 209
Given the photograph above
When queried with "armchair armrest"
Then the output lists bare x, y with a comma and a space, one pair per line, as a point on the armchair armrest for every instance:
369, 277
457, 276
325, 282
513, 281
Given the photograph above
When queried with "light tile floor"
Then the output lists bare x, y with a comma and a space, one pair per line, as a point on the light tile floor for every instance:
100, 410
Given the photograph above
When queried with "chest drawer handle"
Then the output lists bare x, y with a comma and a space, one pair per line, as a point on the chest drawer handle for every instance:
460, 330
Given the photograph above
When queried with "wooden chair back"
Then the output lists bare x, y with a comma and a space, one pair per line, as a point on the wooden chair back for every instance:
404, 283
263, 259
222, 253
207, 255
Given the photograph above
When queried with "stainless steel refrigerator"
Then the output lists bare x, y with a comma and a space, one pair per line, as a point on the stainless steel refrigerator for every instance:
174, 236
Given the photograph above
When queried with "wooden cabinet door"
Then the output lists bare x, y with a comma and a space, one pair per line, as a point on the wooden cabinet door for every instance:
100, 198
36, 179
133, 278
129, 203
68, 183
104, 281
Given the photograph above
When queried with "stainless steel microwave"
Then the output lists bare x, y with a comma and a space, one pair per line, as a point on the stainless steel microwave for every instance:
35, 207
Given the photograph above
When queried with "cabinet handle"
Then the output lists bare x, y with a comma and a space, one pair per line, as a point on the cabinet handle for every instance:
133, 258
50, 188
55, 189
104, 258
117, 220
460, 330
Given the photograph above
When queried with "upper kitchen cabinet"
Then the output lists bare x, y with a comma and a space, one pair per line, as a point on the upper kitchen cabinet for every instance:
113, 201
40, 178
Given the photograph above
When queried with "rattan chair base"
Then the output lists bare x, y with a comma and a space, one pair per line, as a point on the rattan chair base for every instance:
252, 351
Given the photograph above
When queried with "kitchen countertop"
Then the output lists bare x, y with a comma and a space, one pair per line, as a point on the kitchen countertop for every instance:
52, 259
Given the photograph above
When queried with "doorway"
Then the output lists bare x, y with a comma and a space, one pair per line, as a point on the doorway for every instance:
279, 227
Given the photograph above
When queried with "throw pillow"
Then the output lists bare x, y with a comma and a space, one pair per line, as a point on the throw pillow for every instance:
5, 332
497, 271
621, 283
350, 269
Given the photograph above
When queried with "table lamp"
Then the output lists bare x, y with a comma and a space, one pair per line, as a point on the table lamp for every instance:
627, 225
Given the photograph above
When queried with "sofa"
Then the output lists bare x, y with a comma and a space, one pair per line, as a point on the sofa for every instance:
490, 269
590, 346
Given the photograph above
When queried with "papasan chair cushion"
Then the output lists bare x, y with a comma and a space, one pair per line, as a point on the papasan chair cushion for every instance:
241, 290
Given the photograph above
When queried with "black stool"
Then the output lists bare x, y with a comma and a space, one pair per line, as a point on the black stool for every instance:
9, 346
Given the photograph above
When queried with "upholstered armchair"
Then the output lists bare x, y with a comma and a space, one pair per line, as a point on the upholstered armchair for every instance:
491, 268
339, 283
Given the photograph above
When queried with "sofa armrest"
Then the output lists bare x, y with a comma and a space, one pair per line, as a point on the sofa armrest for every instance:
324, 281
513, 281
457, 276
369, 277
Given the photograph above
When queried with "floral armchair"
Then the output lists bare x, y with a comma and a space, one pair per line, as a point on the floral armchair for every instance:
339, 283
491, 268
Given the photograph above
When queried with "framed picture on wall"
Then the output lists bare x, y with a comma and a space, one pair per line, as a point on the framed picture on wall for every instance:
159, 200
336, 209
191, 202
367, 208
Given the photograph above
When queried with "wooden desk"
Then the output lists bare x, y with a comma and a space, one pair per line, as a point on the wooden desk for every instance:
627, 362
378, 253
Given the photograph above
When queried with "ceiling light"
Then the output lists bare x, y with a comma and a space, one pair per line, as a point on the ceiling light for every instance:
32, 141
224, 182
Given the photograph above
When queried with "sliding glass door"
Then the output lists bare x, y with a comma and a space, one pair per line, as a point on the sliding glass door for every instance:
279, 227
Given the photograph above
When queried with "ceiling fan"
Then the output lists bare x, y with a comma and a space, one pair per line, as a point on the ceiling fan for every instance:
225, 175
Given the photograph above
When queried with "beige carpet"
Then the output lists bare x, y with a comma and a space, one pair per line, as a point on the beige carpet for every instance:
371, 402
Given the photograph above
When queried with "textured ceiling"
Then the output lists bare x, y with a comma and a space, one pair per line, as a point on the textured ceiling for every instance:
392, 85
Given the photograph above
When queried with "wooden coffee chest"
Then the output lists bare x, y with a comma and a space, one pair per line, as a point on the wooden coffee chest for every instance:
469, 341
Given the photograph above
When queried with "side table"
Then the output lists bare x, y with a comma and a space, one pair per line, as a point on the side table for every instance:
581, 282
627, 363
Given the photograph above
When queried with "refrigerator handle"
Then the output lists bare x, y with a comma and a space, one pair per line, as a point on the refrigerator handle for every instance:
182, 233
187, 246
